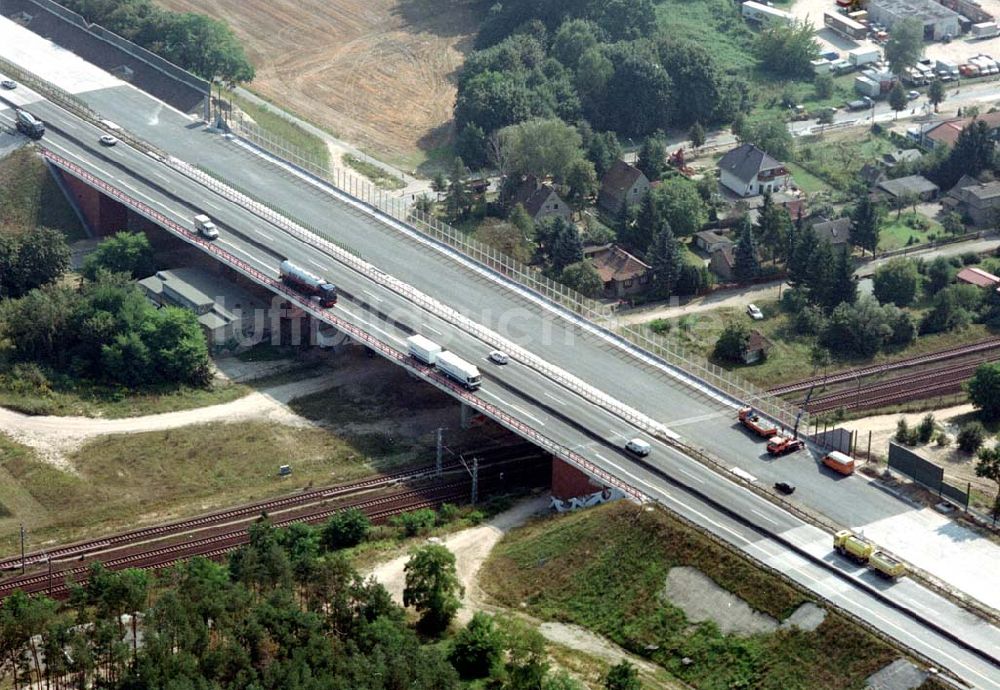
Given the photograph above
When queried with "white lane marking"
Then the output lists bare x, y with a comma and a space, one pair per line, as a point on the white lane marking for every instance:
601, 457
688, 474
237, 249
265, 236
372, 295
761, 515
391, 336
137, 192
561, 402
432, 330
496, 397
617, 434
513, 406
316, 264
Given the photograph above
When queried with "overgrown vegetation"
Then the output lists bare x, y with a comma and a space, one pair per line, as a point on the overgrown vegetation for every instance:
375, 173
30, 198
570, 568
305, 143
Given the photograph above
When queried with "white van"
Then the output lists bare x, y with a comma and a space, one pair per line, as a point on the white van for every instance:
638, 446
204, 225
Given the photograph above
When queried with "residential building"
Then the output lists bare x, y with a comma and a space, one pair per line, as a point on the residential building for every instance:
917, 186
836, 231
622, 273
723, 261
894, 158
622, 184
747, 170
540, 200
945, 133
979, 201
937, 20
756, 348
871, 174
710, 240
978, 277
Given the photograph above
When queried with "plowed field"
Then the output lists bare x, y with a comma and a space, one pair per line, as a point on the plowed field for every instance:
378, 73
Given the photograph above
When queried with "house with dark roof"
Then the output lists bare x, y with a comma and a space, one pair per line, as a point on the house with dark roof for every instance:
894, 158
836, 231
710, 240
621, 273
915, 185
980, 201
871, 174
747, 170
723, 261
756, 348
540, 200
622, 184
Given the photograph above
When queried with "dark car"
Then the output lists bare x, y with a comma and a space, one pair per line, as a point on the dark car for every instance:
785, 488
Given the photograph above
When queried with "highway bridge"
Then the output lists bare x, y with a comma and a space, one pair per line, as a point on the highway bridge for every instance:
573, 388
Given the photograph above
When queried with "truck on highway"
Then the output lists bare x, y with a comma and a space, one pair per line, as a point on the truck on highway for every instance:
205, 227
861, 550
456, 368
305, 282
423, 349
755, 423
839, 462
783, 445
29, 125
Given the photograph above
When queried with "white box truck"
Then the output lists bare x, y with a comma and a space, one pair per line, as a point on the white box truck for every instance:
985, 30
863, 56
422, 349
947, 68
454, 367
205, 227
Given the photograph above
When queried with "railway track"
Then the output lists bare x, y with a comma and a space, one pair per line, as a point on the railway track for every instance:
854, 374
940, 381
244, 513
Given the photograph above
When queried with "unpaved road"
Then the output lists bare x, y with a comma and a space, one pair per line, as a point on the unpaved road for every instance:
737, 297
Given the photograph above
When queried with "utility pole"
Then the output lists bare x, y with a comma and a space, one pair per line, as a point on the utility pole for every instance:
49, 559
22, 548
475, 480
440, 450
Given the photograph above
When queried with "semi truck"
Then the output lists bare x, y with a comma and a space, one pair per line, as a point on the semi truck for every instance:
755, 423
305, 282
456, 368
423, 349
861, 550
28, 124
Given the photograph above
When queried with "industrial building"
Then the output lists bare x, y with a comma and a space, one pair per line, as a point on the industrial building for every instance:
938, 20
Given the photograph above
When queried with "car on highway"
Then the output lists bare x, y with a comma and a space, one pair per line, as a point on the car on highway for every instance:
785, 488
754, 312
108, 140
638, 446
498, 357
8, 84
912, 95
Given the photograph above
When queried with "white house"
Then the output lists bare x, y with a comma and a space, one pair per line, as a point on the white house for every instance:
746, 170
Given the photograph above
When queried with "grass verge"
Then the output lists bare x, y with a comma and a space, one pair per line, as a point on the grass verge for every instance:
30, 198
378, 176
286, 131
126, 480
605, 569
909, 229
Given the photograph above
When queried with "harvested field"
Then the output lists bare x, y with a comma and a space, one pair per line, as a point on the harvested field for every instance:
378, 73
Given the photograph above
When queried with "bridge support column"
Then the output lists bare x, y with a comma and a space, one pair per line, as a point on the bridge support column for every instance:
568, 482
467, 414
104, 216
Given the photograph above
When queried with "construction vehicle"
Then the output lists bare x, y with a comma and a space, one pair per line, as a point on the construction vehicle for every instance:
28, 124
676, 160
782, 445
861, 550
755, 423
302, 280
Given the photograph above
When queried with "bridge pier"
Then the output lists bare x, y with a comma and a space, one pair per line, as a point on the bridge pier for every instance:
572, 488
102, 215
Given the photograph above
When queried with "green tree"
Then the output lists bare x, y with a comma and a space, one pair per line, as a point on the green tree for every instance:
344, 529
972, 154
952, 223
622, 676
905, 44
971, 436
458, 200
573, 39
432, 586
939, 275
826, 116
581, 178
897, 99
860, 329
695, 73
866, 222
787, 51
637, 100
603, 150
732, 342
541, 147
582, 277
896, 282
773, 226
471, 146
424, 204
492, 100
439, 183
666, 261
129, 358
681, 205
824, 86
560, 680
177, 346
697, 135
770, 135
936, 93
988, 466
527, 659
637, 236
843, 286
561, 241
652, 159
984, 390
479, 647
746, 267
36, 258
951, 309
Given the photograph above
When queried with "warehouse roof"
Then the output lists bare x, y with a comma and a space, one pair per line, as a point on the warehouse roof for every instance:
925, 10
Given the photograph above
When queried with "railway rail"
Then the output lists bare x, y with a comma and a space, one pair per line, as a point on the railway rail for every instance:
854, 374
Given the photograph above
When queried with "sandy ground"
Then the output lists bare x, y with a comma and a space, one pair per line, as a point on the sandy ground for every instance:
379, 73
471, 548
737, 297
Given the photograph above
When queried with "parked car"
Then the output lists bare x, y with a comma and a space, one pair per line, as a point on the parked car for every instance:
913, 95
8, 84
498, 357
108, 140
785, 488
754, 312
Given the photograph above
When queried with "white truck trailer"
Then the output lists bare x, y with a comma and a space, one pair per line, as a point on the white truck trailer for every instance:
985, 30
863, 56
456, 368
423, 349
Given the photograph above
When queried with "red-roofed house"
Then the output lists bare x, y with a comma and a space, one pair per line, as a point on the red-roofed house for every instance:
946, 133
622, 273
978, 277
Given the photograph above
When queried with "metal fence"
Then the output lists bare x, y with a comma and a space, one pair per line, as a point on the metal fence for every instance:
925, 473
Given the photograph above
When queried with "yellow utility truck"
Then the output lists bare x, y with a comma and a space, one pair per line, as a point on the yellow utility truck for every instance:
860, 550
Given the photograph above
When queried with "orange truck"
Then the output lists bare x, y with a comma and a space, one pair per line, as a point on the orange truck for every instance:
839, 462
755, 423
782, 445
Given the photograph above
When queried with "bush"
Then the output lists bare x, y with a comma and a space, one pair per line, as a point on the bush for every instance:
971, 437
970, 258
902, 431
925, 431
943, 439
448, 512
478, 648
809, 320
345, 529
660, 326
732, 341
415, 522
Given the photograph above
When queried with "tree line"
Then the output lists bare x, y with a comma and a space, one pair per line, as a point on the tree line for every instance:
205, 46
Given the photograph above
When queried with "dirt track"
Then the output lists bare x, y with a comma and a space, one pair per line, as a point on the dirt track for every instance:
378, 73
